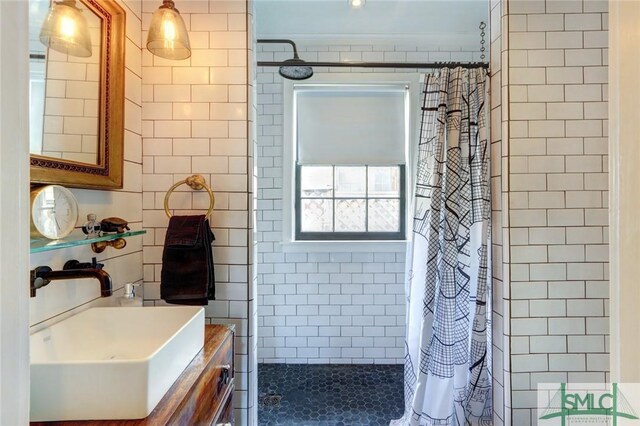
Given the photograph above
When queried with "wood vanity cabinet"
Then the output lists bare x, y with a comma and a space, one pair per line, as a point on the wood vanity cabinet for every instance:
201, 396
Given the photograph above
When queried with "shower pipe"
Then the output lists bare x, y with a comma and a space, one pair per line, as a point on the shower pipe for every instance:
413, 65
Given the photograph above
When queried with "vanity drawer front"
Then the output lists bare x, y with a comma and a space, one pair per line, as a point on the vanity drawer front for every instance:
225, 418
207, 398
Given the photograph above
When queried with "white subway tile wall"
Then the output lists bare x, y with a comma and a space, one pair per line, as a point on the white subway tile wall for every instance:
64, 298
324, 307
555, 196
197, 117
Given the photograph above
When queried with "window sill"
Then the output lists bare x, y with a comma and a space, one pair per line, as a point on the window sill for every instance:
372, 246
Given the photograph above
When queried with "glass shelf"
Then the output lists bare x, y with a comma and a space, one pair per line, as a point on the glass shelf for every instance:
76, 238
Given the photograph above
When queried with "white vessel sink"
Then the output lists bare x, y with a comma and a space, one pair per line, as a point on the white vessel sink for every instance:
111, 363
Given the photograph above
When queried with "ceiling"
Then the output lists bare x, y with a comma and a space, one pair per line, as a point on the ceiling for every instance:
438, 22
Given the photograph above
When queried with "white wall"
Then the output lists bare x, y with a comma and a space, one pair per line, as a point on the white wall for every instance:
315, 305
624, 108
196, 118
14, 218
18, 311
61, 299
555, 174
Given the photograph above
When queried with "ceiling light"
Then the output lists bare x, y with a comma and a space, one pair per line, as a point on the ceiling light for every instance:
168, 37
356, 4
65, 30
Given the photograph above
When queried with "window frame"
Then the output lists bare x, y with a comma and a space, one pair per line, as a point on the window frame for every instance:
352, 236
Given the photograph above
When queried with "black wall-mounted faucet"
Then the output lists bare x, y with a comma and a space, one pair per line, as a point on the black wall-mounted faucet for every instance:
43, 275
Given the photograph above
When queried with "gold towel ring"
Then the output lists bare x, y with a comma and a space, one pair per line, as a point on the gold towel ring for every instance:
196, 182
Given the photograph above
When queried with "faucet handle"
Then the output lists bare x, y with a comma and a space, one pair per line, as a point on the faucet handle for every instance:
74, 264
95, 264
40, 271
71, 264
37, 280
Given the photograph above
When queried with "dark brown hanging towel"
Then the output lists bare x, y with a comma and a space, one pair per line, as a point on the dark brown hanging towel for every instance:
187, 262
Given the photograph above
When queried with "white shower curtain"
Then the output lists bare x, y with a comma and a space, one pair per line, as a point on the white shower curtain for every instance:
448, 342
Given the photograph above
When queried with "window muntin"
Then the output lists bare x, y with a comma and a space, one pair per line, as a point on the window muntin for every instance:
350, 202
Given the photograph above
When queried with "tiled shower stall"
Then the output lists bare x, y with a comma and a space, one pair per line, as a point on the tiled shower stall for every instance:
317, 305
550, 189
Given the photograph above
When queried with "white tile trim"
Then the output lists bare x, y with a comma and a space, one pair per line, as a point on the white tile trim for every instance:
344, 246
624, 200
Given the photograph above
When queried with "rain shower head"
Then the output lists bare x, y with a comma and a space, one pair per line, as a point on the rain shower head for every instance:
295, 68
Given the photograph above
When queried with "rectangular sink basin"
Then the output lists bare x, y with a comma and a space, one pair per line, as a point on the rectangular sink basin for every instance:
111, 363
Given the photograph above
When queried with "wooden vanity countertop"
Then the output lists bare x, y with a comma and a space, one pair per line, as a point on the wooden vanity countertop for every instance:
214, 335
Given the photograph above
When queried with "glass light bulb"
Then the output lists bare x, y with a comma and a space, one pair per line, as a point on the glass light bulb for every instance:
67, 27
169, 29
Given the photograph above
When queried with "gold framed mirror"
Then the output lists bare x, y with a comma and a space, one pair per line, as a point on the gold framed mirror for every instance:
76, 106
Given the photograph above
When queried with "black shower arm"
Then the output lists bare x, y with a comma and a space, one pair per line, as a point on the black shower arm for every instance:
280, 41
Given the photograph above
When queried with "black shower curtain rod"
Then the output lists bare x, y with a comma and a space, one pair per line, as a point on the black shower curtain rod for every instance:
413, 65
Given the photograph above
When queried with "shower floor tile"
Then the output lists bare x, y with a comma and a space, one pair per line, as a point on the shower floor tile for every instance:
329, 395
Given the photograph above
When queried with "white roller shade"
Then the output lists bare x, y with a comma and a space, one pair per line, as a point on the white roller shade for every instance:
350, 125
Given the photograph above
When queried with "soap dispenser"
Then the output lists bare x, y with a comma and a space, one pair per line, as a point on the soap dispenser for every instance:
130, 299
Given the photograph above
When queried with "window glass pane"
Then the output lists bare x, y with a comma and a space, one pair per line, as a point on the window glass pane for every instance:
384, 215
350, 216
316, 215
384, 181
351, 182
316, 181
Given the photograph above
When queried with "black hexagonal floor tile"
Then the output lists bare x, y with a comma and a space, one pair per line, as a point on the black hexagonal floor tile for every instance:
329, 395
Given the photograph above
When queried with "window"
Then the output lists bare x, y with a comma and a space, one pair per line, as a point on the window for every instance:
350, 145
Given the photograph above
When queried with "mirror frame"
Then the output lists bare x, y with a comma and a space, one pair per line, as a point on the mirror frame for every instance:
108, 173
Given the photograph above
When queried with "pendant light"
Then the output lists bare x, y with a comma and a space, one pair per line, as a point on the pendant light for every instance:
65, 30
168, 37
